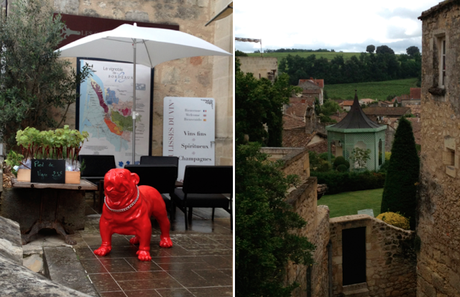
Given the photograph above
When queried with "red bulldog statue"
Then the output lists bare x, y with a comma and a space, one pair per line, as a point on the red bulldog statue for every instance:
127, 210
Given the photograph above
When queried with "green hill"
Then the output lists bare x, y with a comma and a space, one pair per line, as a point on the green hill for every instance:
373, 90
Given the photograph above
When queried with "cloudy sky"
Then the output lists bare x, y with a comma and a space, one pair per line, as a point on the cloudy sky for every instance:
348, 26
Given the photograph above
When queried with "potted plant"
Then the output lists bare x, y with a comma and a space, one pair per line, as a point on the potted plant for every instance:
60, 144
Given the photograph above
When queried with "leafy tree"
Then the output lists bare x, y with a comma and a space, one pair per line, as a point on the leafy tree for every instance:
390, 97
366, 67
33, 81
266, 226
412, 51
298, 67
360, 157
384, 49
399, 193
239, 53
259, 107
318, 163
336, 67
321, 67
330, 107
370, 48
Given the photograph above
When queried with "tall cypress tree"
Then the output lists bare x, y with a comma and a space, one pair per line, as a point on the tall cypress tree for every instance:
399, 193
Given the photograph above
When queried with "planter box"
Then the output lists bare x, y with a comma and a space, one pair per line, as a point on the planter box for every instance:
72, 177
24, 175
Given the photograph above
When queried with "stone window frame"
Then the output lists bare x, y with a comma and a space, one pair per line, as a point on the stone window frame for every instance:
442, 61
440, 48
450, 157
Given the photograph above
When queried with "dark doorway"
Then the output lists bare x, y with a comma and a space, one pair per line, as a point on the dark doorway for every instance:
354, 255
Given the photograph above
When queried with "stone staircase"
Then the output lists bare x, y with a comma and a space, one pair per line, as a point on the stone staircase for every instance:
356, 290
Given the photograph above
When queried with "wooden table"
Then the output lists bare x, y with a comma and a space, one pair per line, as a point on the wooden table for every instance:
37, 206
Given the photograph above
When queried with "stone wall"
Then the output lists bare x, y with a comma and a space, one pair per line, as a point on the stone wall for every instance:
205, 76
259, 66
439, 210
304, 201
390, 258
390, 255
296, 160
222, 85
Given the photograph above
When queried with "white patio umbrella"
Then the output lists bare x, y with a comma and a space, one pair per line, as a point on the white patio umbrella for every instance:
143, 45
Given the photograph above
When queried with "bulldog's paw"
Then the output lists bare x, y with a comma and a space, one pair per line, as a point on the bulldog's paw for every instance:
165, 242
103, 250
143, 255
134, 240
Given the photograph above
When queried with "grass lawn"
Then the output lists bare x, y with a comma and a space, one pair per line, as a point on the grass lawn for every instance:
349, 203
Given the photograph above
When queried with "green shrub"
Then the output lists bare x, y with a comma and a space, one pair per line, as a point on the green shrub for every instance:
324, 156
338, 182
341, 161
324, 166
384, 167
342, 168
394, 219
318, 163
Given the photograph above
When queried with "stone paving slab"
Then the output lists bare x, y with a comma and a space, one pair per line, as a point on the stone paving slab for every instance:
17, 280
62, 266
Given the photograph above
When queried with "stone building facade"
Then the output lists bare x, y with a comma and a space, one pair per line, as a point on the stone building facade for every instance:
439, 210
260, 67
206, 76
312, 89
389, 258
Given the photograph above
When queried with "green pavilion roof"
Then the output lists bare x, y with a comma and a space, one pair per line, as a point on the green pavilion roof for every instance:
356, 119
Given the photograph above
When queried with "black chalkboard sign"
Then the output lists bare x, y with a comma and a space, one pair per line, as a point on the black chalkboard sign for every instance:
48, 171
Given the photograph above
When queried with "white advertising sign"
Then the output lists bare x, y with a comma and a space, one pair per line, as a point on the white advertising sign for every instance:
106, 103
189, 131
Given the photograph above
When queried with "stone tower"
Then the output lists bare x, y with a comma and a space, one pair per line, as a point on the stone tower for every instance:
438, 226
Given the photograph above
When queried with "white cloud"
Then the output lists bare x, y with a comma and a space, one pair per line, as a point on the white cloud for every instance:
331, 24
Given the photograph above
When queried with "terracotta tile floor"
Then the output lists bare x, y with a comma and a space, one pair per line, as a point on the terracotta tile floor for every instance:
200, 263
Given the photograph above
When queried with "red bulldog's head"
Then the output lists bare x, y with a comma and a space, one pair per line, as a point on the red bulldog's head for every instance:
120, 187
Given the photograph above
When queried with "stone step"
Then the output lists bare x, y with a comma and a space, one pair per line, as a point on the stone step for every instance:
62, 266
356, 290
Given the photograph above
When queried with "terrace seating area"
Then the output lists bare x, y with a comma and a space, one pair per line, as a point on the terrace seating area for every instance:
200, 263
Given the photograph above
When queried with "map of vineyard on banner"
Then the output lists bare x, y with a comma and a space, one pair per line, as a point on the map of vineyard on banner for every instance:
106, 110
189, 131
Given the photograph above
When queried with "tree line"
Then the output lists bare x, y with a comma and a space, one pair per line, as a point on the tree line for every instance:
366, 67
293, 50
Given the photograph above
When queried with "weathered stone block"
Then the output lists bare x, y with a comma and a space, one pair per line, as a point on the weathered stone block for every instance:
10, 241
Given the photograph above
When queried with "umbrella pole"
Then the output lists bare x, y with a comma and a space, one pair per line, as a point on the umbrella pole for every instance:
134, 103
